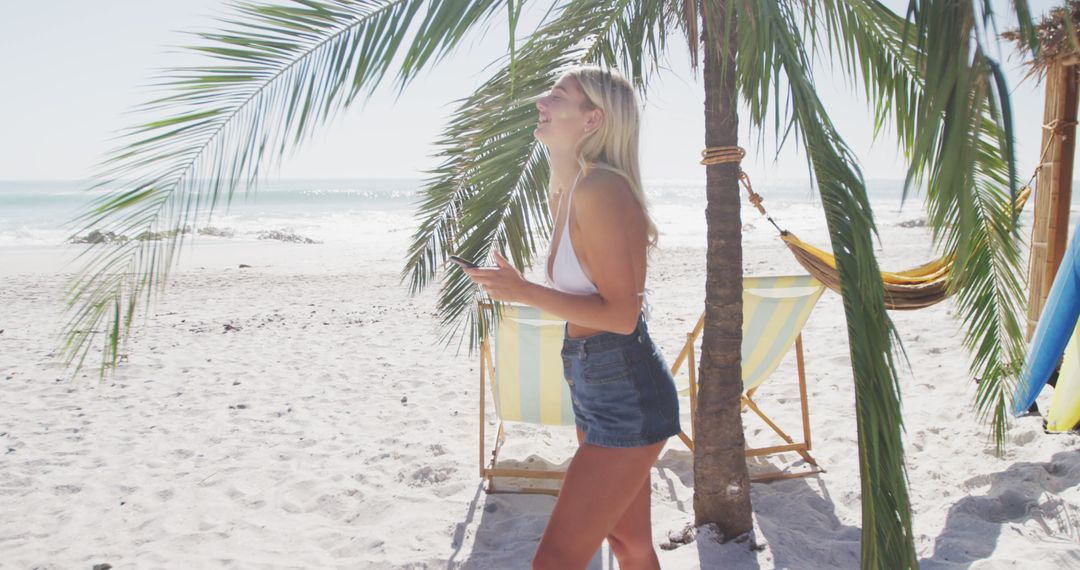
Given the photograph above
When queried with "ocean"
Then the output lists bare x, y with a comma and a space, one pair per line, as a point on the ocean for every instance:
364, 210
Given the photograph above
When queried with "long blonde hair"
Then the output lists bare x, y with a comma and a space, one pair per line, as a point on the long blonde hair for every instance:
614, 145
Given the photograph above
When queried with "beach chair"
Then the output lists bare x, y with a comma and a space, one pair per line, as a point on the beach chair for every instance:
521, 367
774, 312
521, 364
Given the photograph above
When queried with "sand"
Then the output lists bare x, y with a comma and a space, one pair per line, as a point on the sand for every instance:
301, 413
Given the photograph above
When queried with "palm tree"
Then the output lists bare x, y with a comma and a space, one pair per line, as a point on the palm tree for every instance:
719, 464
280, 70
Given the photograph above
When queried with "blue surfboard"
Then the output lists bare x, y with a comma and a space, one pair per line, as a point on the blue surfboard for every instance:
1055, 327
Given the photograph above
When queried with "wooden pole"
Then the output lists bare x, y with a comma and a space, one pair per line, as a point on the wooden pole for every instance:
1053, 194
483, 362
801, 367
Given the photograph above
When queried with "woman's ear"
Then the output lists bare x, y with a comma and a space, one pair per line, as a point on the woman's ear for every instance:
594, 119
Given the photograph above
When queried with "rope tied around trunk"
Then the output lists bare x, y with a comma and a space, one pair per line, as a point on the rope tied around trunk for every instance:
734, 155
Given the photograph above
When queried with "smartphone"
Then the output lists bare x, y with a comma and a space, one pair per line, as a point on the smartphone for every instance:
463, 262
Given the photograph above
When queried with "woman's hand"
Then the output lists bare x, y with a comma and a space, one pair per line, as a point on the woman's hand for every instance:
502, 282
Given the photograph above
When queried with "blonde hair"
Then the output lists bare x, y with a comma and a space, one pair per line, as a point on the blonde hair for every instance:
614, 144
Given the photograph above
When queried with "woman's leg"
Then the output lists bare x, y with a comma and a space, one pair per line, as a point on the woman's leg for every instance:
631, 539
601, 485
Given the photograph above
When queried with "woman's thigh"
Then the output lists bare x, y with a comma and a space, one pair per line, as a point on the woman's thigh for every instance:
600, 484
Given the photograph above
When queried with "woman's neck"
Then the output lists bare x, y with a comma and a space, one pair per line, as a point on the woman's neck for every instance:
564, 168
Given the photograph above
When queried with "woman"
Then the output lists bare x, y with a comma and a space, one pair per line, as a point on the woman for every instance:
624, 398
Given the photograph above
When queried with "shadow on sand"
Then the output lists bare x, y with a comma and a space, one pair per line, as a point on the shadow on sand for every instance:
797, 522
1025, 492
508, 532
795, 518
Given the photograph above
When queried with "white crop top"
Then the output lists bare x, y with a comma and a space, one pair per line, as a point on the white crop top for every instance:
564, 271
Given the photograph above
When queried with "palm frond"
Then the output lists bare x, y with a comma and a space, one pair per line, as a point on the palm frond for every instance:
491, 188
968, 164
277, 71
970, 215
772, 57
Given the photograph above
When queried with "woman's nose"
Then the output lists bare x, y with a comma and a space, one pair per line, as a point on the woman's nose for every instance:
541, 103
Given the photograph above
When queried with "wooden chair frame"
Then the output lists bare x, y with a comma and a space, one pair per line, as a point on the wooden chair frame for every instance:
489, 469
801, 447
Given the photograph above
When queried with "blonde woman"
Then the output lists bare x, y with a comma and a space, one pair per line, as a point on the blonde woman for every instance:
624, 398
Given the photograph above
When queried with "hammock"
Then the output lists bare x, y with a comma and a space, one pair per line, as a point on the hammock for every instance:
915, 288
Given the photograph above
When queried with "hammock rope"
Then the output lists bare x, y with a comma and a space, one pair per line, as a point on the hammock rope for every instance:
910, 289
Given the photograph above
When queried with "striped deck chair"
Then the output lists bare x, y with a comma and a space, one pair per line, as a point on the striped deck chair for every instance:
522, 365
774, 312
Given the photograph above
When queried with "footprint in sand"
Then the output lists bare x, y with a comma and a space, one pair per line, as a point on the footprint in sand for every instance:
66, 489
252, 504
330, 506
976, 482
1010, 505
1018, 437
427, 476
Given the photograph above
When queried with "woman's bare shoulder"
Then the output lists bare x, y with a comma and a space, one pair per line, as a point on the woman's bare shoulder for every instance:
602, 188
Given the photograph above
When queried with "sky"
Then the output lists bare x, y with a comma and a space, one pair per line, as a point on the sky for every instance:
72, 69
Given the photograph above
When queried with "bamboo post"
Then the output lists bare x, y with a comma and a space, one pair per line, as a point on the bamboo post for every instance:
1049, 232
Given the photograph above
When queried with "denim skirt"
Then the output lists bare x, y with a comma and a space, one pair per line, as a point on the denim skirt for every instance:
622, 391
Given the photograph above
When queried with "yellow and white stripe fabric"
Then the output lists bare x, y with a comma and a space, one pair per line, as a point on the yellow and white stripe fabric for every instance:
774, 312
529, 382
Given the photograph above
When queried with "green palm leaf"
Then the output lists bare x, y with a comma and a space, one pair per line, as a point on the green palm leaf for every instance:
771, 57
969, 167
970, 214
491, 189
278, 71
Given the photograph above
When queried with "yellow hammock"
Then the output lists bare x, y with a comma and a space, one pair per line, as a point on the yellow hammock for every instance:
915, 288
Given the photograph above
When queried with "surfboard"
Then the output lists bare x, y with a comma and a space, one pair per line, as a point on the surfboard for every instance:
1065, 405
1055, 328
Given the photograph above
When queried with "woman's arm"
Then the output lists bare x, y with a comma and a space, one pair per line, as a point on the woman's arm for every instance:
609, 221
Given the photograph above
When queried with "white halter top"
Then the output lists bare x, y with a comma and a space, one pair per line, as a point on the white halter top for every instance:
564, 273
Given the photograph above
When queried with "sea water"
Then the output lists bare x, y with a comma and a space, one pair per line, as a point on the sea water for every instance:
364, 211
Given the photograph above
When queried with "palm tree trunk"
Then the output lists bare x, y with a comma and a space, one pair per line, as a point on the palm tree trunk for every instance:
721, 480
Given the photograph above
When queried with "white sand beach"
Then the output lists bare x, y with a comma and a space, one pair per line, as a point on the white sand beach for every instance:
301, 413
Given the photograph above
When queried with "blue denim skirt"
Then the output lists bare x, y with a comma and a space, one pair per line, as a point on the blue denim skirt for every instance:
621, 388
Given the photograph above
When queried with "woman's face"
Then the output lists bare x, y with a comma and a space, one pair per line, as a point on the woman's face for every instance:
564, 118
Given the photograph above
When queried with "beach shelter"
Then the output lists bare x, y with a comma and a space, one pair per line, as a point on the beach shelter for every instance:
1052, 287
1057, 63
